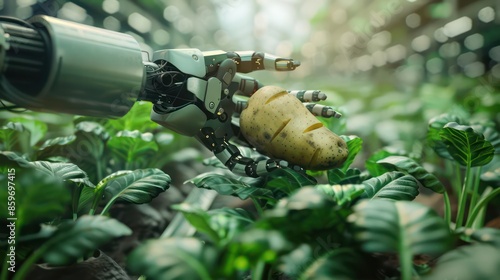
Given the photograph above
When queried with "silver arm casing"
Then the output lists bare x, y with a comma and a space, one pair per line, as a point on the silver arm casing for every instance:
91, 71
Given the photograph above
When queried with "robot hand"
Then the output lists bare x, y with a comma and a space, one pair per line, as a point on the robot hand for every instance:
196, 94
48, 64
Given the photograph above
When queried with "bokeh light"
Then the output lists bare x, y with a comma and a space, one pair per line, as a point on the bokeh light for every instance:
332, 38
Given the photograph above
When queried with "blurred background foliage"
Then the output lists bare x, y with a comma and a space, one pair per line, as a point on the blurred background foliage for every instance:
388, 65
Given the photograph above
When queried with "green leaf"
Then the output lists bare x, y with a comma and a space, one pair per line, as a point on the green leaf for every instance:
220, 225
133, 148
490, 134
73, 240
354, 145
12, 159
253, 246
15, 137
478, 261
38, 197
199, 219
391, 185
214, 161
408, 165
228, 222
484, 235
436, 124
85, 200
61, 170
376, 169
404, 227
64, 171
288, 180
296, 178
37, 128
92, 128
139, 186
86, 151
44, 233
373, 167
306, 212
138, 118
55, 142
296, 262
465, 145
230, 186
337, 264
337, 176
342, 194
67, 172
174, 259
98, 191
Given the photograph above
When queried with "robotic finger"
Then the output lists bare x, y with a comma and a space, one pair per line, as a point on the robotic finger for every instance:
251, 61
316, 109
322, 110
308, 95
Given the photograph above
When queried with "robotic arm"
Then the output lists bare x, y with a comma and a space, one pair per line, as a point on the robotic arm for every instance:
48, 64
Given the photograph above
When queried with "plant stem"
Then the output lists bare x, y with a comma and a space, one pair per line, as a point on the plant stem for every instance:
99, 169
76, 198
454, 171
447, 209
416, 276
479, 220
258, 271
97, 196
30, 261
405, 255
482, 203
108, 206
475, 186
257, 206
3, 273
406, 263
463, 197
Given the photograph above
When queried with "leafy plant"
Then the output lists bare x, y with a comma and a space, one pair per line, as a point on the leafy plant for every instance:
318, 225
399, 226
73, 240
43, 193
46, 189
294, 211
309, 230
97, 146
469, 149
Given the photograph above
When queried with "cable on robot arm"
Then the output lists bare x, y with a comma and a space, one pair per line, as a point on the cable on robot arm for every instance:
231, 157
165, 87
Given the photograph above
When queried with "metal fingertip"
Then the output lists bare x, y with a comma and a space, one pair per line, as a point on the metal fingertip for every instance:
321, 95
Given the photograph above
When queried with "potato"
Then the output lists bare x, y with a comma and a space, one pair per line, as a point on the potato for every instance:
278, 125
